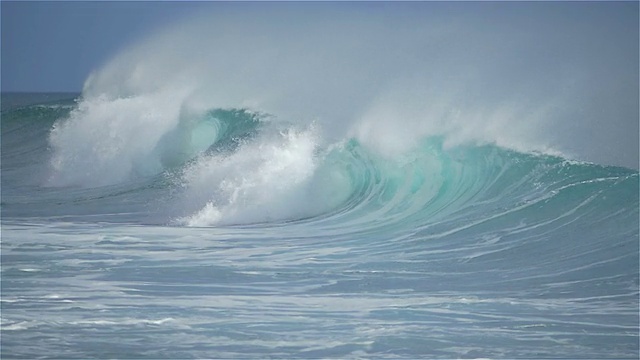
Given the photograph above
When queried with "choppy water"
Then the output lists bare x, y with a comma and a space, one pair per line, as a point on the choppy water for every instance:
333, 180
259, 240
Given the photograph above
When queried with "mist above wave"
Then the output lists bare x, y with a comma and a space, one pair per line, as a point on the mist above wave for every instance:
520, 76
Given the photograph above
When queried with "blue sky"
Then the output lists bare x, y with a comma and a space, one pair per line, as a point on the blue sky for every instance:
53, 46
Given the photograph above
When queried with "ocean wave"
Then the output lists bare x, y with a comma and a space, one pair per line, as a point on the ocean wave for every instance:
237, 166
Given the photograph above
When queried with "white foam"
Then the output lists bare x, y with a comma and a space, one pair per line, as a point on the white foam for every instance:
268, 179
106, 141
19, 325
123, 322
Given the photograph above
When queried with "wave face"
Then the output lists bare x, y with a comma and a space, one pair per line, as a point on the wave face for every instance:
236, 166
285, 188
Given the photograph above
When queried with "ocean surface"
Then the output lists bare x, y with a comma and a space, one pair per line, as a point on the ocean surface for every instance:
230, 234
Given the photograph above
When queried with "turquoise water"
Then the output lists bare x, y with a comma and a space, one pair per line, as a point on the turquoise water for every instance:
229, 233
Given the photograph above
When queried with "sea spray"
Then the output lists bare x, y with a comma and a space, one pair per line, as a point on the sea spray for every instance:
422, 77
322, 180
263, 181
106, 141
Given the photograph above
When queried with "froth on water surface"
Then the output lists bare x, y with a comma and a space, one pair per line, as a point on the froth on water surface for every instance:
375, 180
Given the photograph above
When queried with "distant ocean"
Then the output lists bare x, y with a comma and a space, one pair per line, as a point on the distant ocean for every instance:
326, 180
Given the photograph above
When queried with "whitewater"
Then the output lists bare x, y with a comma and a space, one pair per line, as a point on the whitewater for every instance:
378, 181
